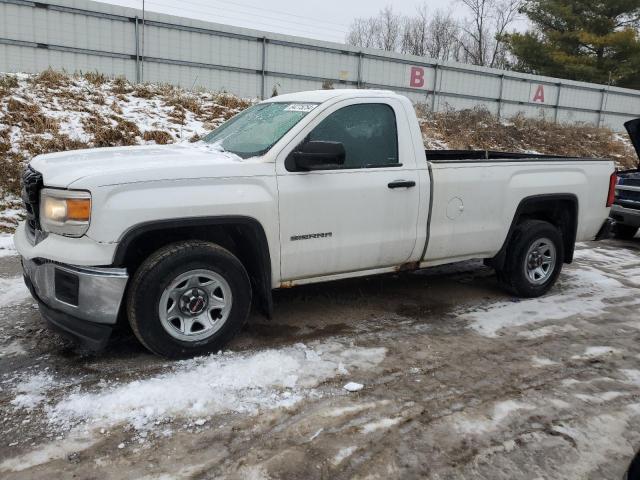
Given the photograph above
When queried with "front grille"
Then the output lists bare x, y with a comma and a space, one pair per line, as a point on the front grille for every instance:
31, 186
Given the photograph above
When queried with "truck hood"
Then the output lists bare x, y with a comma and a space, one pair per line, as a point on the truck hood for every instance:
117, 165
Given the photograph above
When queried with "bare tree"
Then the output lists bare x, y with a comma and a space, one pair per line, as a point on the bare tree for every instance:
383, 31
480, 40
434, 36
389, 24
443, 37
483, 39
414, 32
363, 33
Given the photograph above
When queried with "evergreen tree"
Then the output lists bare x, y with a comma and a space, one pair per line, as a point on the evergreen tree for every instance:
587, 40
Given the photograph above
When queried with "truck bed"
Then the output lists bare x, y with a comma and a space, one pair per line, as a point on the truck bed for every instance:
445, 156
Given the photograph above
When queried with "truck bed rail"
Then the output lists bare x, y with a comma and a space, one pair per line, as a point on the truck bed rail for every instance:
446, 156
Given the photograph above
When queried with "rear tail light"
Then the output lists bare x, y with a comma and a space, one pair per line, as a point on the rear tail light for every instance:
613, 180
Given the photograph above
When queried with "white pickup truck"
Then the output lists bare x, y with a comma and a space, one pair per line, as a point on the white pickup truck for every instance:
181, 240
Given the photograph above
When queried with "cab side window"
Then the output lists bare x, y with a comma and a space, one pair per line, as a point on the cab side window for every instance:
368, 132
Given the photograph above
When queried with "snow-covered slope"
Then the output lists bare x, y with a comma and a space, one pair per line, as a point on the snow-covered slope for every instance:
54, 111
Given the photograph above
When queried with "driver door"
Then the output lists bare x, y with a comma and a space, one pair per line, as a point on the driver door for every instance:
355, 217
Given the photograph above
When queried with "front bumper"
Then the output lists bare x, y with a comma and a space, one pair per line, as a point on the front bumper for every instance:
625, 216
81, 301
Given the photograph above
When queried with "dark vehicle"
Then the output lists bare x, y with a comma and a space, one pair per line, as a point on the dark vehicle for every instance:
626, 207
634, 469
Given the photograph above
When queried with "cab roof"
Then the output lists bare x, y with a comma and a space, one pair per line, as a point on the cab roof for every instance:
320, 96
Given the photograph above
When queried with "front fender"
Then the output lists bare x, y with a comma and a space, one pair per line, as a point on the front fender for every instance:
119, 208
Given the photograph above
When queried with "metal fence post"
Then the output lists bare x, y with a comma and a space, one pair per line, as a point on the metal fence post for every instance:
264, 63
359, 80
142, 56
557, 106
603, 99
500, 96
435, 88
137, 50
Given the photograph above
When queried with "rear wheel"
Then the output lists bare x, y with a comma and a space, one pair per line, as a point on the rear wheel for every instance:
534, 259
624, 232
188, 299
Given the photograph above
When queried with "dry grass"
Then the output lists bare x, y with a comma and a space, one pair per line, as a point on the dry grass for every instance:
215, 112
28, 116
57, 142
231, 101
8, 223
50, 78
121, 86
98, 99
11, 173
185, 101
5, 141
159, 136
178, 115
7, 83
479, 129
95, 78
116, 108
145, 91
105, 134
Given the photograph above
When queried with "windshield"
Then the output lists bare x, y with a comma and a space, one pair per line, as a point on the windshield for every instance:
254, 131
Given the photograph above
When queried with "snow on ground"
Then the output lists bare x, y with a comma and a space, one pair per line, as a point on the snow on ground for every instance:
31, 392
9, 218
7, 248
12, 291
383, 423
585, 291
501, 412
230, 382
632, 375
542, 362
343, 454
594, 352
59, 450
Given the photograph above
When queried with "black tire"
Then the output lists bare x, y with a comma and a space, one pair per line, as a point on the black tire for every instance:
624, 232
156, 274
513, 275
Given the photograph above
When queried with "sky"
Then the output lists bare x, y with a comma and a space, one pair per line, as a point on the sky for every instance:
325, 20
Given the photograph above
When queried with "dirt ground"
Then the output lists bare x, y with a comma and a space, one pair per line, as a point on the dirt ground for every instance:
460, 381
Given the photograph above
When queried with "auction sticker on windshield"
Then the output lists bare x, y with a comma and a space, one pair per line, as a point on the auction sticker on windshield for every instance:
300, 107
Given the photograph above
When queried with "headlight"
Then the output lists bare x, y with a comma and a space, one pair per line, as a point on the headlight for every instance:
65, 212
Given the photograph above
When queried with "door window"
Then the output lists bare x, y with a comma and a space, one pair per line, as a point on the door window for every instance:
368, 132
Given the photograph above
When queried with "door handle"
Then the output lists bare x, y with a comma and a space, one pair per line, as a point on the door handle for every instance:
402, 184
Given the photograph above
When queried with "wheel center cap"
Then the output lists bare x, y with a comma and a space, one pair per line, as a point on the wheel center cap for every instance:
194, 301
535, 260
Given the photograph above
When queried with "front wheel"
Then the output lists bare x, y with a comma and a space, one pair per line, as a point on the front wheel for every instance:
534, 259
188, 298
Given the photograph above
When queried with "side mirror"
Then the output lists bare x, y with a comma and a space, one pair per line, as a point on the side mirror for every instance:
319, 155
